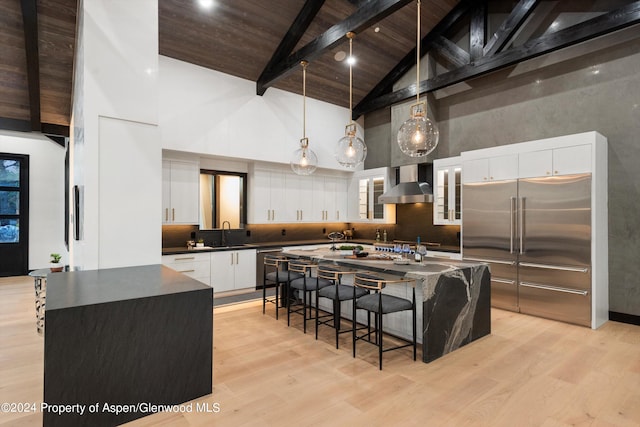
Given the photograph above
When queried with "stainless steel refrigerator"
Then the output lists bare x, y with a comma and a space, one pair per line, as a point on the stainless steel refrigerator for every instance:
535, 233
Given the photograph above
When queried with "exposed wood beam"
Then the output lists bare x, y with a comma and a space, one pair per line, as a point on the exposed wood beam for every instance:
15, 124
30, 24
288, 43
451, 52
60, 140
386, 84
516, 18
618, 19
478, 31
48, 129
367, 15
51, 129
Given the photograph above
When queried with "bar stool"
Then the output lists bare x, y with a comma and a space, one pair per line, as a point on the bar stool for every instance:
276, 273
305, 284
336, 292
380, 304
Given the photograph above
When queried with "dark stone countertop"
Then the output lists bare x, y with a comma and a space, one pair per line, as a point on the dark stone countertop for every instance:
280, 244
80, 288
411, 269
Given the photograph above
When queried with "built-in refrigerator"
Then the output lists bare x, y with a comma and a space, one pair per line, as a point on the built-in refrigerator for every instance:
535, 234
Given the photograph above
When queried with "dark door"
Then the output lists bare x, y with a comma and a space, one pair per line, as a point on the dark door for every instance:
14, 214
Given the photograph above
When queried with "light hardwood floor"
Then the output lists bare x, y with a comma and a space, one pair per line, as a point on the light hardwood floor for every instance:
528, 372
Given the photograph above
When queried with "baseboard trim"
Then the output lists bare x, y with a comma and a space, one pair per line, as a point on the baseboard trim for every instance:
624, 318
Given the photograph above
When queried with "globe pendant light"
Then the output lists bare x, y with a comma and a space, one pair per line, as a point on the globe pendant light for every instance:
304, 160
350, 150
418, 136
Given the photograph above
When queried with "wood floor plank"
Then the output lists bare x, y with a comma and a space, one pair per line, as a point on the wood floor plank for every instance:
528, 372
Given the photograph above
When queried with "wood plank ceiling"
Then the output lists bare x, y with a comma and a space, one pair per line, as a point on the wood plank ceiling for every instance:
263, 41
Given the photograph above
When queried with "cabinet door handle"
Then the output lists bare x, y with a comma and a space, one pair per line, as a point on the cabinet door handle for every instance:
300, 214
231, 258
166, 214
173, 214
186, 271
273, 215
184, 258
237, 258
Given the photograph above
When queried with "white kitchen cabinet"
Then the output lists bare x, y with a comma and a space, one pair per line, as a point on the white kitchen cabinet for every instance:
267, 194
447, 191
233, 270
194, 265
299, 198
329, 199
180, 192
558, 161
365, 188
487, 169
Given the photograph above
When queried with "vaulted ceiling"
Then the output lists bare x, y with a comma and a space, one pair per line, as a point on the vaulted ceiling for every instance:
264, 41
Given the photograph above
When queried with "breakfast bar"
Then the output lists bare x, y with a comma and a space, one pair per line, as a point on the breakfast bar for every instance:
453, 298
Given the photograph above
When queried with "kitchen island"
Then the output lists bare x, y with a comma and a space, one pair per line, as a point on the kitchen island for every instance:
119, 342
453, 298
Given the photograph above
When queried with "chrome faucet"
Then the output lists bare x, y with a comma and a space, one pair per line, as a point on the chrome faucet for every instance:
224, 240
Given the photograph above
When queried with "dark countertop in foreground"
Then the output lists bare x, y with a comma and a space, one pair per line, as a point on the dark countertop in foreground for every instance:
125, 336
80, 288
280, 244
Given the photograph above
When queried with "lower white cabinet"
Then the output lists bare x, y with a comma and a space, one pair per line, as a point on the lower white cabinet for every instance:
197, 265
232, 270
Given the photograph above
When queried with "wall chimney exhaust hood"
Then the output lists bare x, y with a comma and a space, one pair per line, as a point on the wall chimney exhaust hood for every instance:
409, 189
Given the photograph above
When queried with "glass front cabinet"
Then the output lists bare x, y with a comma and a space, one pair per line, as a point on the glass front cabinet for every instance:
447, 191
366, 186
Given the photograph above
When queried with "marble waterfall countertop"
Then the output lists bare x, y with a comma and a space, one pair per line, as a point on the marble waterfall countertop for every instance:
455, 296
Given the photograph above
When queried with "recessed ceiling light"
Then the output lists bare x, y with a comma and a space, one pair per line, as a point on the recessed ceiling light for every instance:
377, 29
340, 56
205, 4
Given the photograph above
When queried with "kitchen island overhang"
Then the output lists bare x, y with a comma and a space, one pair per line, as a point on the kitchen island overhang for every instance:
453, 298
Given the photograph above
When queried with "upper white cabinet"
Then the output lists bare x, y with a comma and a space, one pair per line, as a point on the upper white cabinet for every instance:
496, 168
365, 188
267, 194
557, 161
278, 196
180, 191
299, 198
447, 186
329, 199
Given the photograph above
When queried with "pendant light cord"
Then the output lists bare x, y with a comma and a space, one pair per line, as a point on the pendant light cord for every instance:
351, 78
418, 57
304, 98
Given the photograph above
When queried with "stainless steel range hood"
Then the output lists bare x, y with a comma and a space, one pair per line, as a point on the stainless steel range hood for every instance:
409, 190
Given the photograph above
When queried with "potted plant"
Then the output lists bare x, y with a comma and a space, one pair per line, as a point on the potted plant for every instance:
55, 263
200, 243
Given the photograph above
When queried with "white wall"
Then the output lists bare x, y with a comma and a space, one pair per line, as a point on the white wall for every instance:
46, 194
116, 153
208, 112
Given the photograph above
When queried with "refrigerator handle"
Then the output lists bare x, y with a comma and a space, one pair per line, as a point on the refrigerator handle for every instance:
521, 224
512, 225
